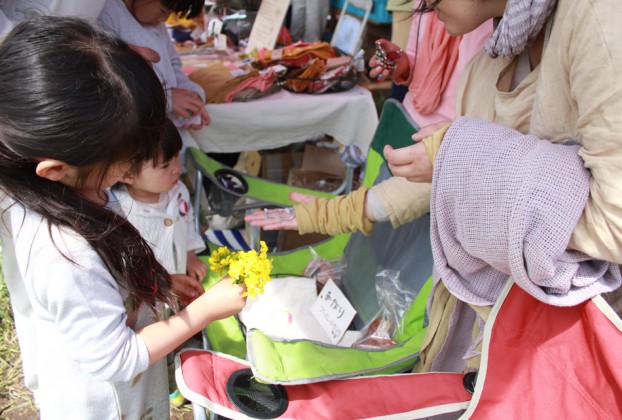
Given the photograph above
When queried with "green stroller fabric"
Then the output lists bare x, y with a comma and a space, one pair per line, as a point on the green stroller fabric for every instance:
395, 127
405, 249
226, 335
305, 361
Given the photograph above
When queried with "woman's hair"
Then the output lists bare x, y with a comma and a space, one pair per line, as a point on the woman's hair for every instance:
171, 142
423, 7
75, 94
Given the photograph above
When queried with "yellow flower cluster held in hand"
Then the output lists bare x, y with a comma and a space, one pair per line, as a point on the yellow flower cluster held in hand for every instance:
249, 267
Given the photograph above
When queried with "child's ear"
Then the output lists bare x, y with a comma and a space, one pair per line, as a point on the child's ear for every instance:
128, 178
55, 170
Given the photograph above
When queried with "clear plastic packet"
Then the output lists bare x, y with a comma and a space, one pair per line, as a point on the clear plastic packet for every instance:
320, 269
394, 301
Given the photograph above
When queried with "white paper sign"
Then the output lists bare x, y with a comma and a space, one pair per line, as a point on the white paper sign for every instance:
333, 311
267, 25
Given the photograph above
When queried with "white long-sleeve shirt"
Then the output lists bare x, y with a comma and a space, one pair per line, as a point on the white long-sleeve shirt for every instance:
117, 19
80, 358
14, 11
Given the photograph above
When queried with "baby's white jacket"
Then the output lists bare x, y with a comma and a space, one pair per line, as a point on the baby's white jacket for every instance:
167, 225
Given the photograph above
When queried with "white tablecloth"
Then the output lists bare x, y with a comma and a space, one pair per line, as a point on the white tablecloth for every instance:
284, 118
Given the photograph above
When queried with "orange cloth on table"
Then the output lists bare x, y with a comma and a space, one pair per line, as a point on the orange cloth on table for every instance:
211, 78
300, 81
434, 64
298, 51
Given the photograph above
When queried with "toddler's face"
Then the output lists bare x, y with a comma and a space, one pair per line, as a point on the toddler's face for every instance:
158, 178
150, 12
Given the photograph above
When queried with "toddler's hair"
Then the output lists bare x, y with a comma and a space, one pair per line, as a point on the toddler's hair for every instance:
76, 94
171, 142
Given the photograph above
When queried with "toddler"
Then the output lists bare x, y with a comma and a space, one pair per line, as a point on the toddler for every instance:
157, 203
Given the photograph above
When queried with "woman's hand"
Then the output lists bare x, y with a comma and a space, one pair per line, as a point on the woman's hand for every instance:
186, 288
378, 72
195, 268
429, 129
278, 219
412, 162
188, 105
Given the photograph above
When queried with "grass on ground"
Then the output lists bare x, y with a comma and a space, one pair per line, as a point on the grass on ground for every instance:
15, 399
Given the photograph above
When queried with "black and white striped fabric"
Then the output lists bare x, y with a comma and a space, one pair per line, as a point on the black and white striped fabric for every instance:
231, 238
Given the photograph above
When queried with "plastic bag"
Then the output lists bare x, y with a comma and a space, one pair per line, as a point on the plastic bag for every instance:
320, 269
394, 301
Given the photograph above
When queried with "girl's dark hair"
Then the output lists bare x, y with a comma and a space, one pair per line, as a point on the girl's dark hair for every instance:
73, 93
184, 8
171, 141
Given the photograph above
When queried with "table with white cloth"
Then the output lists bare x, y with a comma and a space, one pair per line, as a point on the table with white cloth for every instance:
284, 118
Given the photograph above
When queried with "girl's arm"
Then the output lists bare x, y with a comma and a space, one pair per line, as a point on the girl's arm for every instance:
220, 301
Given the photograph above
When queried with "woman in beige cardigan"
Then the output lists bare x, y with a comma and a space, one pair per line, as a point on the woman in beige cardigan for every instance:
552, 69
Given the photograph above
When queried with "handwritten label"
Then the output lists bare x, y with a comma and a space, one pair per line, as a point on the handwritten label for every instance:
333, 311
267, 25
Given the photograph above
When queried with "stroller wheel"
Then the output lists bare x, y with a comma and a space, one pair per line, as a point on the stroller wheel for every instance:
256, 399
231, 181
469, 382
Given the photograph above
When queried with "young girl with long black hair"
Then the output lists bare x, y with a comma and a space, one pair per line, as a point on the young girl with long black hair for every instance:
78, 110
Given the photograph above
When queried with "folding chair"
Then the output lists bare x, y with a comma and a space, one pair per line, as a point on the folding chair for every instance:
224, 186
348, 34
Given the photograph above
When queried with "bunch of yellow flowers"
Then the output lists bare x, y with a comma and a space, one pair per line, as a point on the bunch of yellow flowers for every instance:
249, 267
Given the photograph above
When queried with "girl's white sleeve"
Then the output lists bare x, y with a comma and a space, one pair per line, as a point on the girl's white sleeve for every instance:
85, 304
183, 81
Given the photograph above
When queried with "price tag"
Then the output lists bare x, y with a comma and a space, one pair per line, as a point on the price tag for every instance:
333, 311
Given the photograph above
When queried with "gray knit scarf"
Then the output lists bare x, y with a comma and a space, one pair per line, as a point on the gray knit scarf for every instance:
520, 24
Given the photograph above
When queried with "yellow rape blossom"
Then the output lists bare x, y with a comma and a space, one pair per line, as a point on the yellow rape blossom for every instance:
251, 267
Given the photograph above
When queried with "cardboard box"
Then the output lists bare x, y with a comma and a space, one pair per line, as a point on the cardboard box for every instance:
275, 167
291, 239
322, 159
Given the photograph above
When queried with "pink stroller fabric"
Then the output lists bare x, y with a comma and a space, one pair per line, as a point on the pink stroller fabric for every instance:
538, 361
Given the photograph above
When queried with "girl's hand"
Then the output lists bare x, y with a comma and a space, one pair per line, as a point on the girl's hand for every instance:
278, 219
410, 162
186, 288
228, 297
195, 268
188, 104
205, 118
